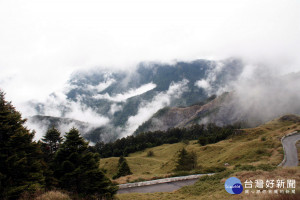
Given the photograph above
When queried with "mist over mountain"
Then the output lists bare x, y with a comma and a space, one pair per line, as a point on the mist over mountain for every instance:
157, 96
120, 101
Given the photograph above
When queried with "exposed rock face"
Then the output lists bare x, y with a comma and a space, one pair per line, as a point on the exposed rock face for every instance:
184, 116
223, 110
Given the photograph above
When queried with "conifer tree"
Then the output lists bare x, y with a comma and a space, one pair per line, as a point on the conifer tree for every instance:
49, 145
77, 169
52, 140
123, 168
186, 160
121, 160
20, 158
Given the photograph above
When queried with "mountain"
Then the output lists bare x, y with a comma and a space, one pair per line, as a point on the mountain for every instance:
115, 103
121, 93
153, 96
171, 117
251, 105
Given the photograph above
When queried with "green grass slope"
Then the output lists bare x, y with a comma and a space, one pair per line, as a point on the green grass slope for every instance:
252, 149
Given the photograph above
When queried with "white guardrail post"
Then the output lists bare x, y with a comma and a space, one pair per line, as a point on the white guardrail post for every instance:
164, 180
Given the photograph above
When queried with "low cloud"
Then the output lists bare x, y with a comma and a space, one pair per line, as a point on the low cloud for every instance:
203, 84
40, 128
219, 76
85, 114
147, 109
259, 95
115, 108
38, 54
265, 96
126, 95
101, 86
57, 105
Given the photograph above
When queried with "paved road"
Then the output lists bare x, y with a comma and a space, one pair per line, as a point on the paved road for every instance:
289, 144
161, 187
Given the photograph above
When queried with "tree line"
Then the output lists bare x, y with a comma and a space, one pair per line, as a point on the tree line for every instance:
65, 163
205, 134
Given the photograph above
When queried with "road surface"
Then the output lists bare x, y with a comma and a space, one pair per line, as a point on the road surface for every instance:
161, 187
289, 145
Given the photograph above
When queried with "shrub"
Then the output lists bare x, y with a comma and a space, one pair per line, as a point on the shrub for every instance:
245, 167
203, 141
150, 153
214, 169
137, 180
260, 151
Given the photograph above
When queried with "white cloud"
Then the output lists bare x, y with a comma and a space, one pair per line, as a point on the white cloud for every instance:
114, 108
131, 93
101, 86
203, 84
85, 114
211, 77
39, 128
147, 109
57, 105
43, 42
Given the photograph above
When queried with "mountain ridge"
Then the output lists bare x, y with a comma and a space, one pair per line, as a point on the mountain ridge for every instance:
126, 100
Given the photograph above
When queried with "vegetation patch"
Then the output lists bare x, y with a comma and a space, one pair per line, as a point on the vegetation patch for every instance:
53, 195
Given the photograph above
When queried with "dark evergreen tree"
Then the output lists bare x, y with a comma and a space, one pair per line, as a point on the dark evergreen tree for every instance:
77, 169
52, 140
123, 168
121, 160
186, 160
49, 145
21, 161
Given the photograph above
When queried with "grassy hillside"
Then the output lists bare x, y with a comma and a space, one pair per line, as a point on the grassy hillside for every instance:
253, 153
253, 146
159, 165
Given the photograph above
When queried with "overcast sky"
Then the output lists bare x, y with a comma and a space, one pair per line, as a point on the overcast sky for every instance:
42, 42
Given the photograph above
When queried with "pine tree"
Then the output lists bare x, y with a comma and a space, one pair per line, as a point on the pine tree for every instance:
121, 160
186, 160
52, 140
77, 169
20, 157
49, 145
123, 168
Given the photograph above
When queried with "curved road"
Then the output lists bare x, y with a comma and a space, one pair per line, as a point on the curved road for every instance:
289, 145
